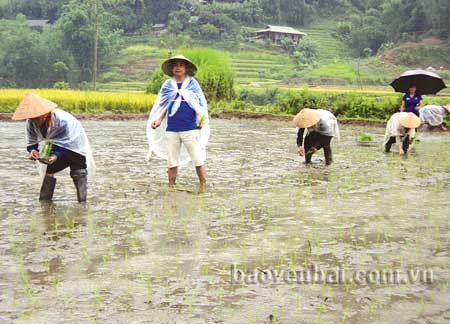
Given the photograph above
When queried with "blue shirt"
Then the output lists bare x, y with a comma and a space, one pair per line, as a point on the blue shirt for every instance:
184, 119
412, 102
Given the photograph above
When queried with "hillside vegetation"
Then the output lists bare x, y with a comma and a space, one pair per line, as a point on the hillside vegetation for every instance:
349, 43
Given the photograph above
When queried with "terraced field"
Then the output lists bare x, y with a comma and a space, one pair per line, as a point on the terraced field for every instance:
257, 69
330, 47
253, 71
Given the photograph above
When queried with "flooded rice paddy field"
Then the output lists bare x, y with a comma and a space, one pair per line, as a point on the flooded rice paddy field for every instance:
137, 253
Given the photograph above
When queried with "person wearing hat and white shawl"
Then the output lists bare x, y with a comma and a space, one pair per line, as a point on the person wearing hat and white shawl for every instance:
433, 115
178, 125
401, 129
321, 126
70, 146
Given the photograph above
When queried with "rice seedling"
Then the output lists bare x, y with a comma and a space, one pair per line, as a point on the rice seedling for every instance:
55, 283
97, 300
372, 307
149, 290
320, 312
24, 316
66, 299
189, 304
23, 276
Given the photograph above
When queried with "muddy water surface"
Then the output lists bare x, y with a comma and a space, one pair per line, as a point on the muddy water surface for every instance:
137, 253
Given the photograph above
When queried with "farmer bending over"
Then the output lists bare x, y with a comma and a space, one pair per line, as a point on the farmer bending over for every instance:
57, 140
401, 129
321, 126
433, 115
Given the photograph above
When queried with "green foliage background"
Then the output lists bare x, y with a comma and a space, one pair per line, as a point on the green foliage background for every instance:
214, 74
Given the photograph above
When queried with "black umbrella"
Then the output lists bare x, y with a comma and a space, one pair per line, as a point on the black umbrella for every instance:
427, 82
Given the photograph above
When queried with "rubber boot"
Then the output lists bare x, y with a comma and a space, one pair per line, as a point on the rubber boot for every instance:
47, 188
328, 155
388, 145
406, 143
309, 154
79, 178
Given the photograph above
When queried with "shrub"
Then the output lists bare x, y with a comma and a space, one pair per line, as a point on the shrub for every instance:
61, 85
209, 31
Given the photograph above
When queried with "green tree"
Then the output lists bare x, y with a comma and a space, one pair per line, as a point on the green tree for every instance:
209, 31
179, 21
78, 29
27, 56
306, 52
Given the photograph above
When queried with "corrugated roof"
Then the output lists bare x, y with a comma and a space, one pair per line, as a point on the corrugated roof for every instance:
280, 29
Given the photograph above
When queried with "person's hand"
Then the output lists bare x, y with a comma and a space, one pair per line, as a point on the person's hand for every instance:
200, 120
34, 155
301, 151
52, 159
402, 152
156, 123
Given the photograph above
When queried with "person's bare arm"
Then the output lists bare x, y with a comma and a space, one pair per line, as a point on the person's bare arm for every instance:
300, 150
157, 122
402, 107
399, 141
420, 105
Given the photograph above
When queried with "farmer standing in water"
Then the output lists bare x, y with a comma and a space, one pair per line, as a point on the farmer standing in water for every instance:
321, 126
178, 126
57, 140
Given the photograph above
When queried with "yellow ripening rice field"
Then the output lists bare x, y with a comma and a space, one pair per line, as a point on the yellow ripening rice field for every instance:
81, 101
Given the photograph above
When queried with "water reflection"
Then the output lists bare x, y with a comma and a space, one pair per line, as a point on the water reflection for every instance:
139, 251
62, 220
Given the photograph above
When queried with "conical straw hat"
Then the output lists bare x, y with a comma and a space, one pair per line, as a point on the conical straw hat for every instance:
409, 121
307, 118
167, 66
33, 106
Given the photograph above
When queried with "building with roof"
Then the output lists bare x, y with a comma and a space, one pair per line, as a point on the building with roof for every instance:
158, 29
37, 23
277, 33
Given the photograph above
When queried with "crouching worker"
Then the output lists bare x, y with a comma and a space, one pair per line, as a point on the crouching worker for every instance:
401, 129
57, 140
321, 126
433, 115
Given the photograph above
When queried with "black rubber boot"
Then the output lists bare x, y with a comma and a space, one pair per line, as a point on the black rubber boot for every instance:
388, 145
328, 155
79, 178
47, 188
308, 155
406, 143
